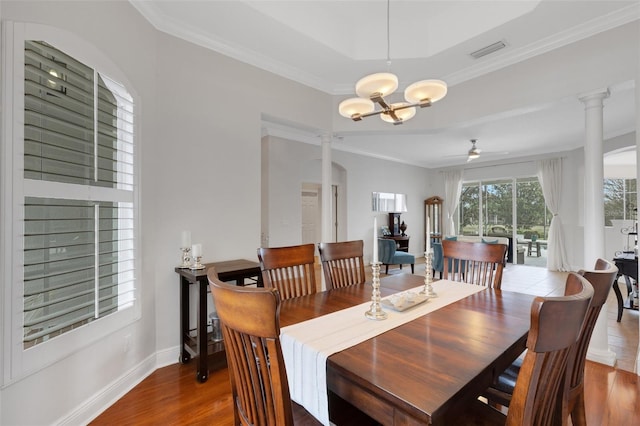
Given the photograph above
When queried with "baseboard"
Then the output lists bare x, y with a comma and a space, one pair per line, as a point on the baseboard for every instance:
168, 357
607, 357
95, 405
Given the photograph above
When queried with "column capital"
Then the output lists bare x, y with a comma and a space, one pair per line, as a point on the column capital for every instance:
594, 96
326, 137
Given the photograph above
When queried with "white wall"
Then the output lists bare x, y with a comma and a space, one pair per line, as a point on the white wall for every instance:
292, 163
200, 128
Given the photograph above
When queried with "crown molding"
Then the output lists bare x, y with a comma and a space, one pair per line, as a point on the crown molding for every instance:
580, 32
172, 26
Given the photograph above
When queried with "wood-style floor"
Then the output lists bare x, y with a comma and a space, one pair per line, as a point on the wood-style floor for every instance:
172, 396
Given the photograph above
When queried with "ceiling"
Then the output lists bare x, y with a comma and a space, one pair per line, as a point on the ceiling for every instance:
329, 45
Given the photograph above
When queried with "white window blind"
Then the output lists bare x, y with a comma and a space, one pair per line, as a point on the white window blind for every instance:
79, 231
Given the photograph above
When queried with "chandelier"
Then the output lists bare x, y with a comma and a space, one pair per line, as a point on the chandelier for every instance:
373, 88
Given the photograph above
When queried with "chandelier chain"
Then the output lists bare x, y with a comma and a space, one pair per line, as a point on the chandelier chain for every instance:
388, 36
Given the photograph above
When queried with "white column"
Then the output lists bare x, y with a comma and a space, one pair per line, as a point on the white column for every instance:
594, 212
327, 231
327, 226
638, 165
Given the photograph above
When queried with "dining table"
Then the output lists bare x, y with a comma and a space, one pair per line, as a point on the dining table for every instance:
419, 370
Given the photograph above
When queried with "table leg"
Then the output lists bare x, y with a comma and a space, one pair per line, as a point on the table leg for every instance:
616, 290
185, 356
629, 291
203, 353
538, 249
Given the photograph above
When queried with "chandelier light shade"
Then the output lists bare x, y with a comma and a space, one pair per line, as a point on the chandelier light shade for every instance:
372, 89
354, 107
433, 90
382, 83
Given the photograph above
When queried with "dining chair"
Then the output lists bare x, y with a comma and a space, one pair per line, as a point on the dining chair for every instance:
289, 269
473, 263
555, 327
601, 278
342, 263
249, 318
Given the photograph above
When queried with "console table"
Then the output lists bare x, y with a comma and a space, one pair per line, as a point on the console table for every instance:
200, 345
627, 268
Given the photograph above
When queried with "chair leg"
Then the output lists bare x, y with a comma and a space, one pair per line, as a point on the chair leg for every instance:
412, 268
401, 266
386, 270
578, 414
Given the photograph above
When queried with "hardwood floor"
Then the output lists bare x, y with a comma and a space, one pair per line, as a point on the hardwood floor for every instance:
172, 396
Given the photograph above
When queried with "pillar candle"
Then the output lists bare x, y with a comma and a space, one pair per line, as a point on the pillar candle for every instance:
375, 240
196, 250
428, 236
186, 239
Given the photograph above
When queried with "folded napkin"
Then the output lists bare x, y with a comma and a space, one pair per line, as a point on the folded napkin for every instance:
307, 345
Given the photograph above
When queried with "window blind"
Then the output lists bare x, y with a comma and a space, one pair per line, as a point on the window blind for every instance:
79, 254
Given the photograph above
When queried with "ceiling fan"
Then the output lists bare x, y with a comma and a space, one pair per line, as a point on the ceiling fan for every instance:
474, 152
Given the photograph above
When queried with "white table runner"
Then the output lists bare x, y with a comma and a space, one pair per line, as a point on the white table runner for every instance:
307, 345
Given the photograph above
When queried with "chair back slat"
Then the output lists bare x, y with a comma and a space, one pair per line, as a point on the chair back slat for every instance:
342, 263
601, 278
555, 327
289, 269
474, 263
249, 319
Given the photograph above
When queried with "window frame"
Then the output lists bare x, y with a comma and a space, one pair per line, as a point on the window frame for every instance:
17, 361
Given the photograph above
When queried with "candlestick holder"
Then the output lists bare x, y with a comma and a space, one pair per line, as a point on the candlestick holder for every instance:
376, 312
196, 263
428, 276
186, 258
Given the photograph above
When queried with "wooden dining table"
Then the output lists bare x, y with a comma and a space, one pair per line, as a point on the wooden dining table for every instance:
426, 370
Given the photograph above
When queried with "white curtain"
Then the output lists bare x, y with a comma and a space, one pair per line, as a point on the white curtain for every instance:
550, 177
452, 192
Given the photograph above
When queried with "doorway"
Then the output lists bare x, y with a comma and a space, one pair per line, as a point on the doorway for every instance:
311, 209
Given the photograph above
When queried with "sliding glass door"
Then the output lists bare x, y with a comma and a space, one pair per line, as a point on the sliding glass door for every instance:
511, 208
497, 211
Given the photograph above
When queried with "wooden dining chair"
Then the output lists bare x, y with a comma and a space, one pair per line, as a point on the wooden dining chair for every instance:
474, 263
555, 327
342, 263
249, 318
289, 269
601, 278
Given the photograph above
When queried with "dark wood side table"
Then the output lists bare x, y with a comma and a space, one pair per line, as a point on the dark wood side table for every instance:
402, 243
627, 268
200, 345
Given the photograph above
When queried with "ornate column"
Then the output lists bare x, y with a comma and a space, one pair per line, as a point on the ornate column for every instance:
638, 159
327, 230
594, 212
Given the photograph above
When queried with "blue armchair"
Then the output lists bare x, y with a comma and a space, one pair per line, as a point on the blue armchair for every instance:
389, 256
437, 260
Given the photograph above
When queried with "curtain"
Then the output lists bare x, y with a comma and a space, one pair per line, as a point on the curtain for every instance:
452, 192
550, 177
